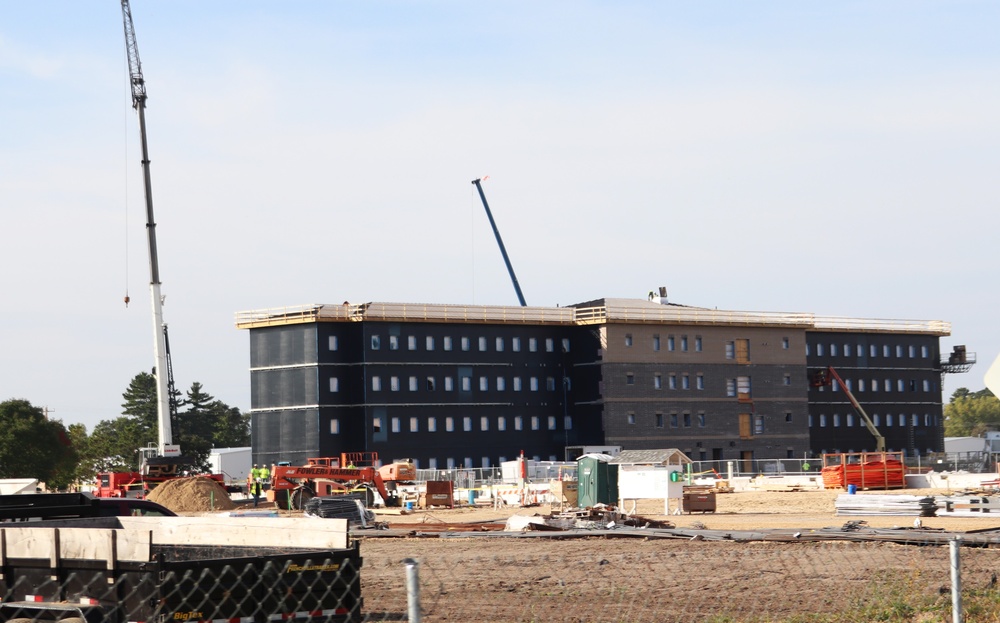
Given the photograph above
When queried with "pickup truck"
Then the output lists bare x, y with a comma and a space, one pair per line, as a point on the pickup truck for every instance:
43, 506
179, 569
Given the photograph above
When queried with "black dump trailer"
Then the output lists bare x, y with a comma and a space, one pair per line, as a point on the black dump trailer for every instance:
155, 570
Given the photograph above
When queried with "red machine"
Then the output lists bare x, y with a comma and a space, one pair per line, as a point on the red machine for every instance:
155, 471
292, 486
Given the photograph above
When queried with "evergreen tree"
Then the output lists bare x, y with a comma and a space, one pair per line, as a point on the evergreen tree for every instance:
971, 413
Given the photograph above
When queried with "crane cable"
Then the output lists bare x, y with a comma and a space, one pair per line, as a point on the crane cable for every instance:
127, 299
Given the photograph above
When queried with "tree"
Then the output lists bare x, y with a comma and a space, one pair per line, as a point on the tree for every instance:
32, 446
971, 413
232, 428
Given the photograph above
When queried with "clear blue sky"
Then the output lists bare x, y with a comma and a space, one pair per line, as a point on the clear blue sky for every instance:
836, 158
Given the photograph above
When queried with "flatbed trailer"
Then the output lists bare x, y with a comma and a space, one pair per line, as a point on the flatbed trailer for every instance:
138, 569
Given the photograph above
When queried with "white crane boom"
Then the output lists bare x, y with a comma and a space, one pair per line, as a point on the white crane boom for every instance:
163, 388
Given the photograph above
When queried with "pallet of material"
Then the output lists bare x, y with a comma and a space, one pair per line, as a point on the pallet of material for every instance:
901, 505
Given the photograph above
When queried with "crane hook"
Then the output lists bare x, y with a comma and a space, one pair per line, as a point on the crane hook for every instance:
127, 299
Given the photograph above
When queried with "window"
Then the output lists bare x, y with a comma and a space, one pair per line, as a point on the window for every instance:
431, 384
568, 422
630, 418
758, 425
334, 384
685, 382
394, 383
784, 343
628, 339
467, 423
697, 344
730, 350
411, 342
429, 342
731, 387
447, 342
657, 381
376, 342
888, 419
465, 346
499, 344
656, 342
517, 383
482, 344
819, 350
684, 343
874, 385
924, 352
861, 385
836, 420
788, 379
551, 422
659, 420
699, 381
449, 384
888, 385
565, 345
395, 424
501, 384
876, 420
850, 420
822, 419
927, 385
912, 351
414, 425
518, 422
534, 422
899, 351
377, 424
466, 383
484, 423
550, 383
914, 420
533, 344
687, 420
501, 423
670, 342
629, 379
743, 387
515, 344
873, 350
449, 424
788, 417
701, 420
900, 385
833, 350
886, 350
860, 351
413, 383
484, 384
334, 343
533, 383
672, 381
376, 384
334, 426
432, 424
550, 345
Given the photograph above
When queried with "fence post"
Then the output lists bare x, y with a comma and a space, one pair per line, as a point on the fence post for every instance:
412, 590
956, 579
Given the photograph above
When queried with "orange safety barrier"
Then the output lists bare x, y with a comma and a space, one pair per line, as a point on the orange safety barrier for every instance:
864, 470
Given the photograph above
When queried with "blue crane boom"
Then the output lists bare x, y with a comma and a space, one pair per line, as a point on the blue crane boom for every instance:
503, 250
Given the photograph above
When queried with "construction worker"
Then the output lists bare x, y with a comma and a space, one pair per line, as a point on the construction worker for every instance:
255, 484
265, 478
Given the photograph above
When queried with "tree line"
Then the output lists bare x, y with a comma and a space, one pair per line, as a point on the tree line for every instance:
32, 446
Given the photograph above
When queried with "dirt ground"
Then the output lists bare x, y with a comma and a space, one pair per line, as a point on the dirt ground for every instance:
526, 578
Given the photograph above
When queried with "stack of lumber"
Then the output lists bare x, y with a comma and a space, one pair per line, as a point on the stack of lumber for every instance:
904, 505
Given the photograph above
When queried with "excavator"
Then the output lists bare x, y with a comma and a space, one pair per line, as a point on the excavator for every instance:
292, 486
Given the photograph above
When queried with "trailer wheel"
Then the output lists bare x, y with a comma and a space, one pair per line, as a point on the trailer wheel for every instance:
300, 497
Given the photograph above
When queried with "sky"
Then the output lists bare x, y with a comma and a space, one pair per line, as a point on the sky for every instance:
837, 158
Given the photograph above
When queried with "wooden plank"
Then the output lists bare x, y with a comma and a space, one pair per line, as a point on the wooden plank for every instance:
302, 532
75, 544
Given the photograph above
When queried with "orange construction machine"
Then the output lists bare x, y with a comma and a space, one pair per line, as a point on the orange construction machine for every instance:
292, 486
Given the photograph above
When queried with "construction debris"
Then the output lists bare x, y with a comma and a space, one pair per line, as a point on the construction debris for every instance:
904, 505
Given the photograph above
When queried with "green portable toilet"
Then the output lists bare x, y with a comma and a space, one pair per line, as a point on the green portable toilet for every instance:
597, 482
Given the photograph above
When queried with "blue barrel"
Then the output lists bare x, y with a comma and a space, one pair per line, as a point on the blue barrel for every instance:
472, 497
409, 506
852, 489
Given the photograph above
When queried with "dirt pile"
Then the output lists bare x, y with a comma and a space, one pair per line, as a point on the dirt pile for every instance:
190, 495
